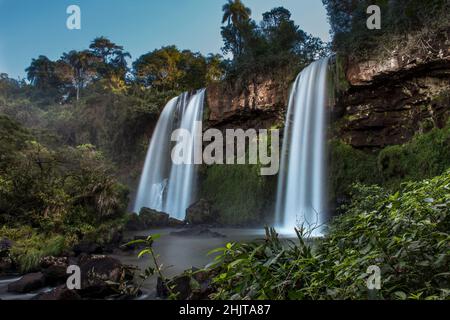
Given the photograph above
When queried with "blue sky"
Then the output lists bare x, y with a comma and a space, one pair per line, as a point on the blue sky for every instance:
29, 28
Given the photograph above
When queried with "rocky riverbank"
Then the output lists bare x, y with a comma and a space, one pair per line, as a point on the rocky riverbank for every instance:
112, 271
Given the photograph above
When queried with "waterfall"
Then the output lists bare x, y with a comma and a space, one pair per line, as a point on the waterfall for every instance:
165, 186
301, 194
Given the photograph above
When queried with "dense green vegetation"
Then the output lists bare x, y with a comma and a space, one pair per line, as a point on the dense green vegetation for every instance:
240, 195
425, 156
52, 198
404, 233
400, 20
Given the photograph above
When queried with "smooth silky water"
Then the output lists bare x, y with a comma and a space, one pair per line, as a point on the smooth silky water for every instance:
180, 253
165, 186
301, 195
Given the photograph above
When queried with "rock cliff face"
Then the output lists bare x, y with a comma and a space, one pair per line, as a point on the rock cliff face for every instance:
254, 104
393, 98
387, 102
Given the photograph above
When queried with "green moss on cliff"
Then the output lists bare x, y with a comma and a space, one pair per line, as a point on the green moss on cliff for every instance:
239, 193
348, 166
426, 156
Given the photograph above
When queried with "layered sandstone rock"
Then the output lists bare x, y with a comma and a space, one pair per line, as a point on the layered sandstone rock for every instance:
264, 98
419, 52
389, 99
394, 97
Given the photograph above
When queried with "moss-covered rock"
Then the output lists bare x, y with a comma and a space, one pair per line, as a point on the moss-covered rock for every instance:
200, 213
240, 194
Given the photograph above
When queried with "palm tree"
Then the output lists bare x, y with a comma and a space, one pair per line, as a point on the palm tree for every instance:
235, 12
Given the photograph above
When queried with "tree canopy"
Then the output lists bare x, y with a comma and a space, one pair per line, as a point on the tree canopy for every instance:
275, 42
399, 18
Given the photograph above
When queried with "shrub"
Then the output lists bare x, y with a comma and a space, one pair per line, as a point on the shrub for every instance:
427, 155
65, 193
404, 233
349, 166
30, 246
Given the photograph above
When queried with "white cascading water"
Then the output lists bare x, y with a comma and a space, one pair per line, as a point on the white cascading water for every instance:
301, 194
165, 186
182, 182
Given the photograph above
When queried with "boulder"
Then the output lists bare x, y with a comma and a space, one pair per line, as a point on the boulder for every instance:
55, 274
28, 283
87, 247
181, 286
194, 284
198, 232
175, 223
152, 218
200, 213
99, 274
5, 246
6, 265
149, 218
204, 287
61, 293
134, 223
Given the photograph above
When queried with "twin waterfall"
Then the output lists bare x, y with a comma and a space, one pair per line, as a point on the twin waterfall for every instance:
301, 196
165, 186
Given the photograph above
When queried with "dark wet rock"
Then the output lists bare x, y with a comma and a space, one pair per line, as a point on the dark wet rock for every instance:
134, 223
200, 213
87, 247
152, 218
198, 232
5, 247
149, 218
180, 285
55, 275
61, 293
99, 274
194, 284
175, 223
161, 289
28, 283
6, 265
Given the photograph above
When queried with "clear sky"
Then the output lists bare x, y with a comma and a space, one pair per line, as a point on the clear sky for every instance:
29, 28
